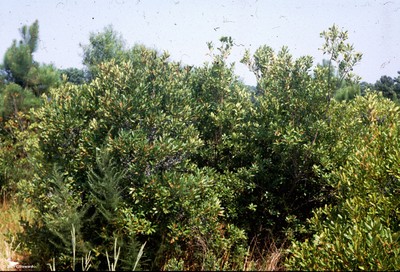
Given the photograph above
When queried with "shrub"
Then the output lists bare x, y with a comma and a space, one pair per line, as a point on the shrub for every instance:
361, 231
123, 145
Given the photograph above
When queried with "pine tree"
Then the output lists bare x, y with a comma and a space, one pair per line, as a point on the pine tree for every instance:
20, 67
18, 59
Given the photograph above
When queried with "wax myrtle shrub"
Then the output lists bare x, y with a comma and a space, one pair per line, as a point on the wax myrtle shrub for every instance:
358, 159
361, 230
288, 105
117, 153
342, 56
18, 138
292, 101
223, 117
22, 81
194, 165
19, 151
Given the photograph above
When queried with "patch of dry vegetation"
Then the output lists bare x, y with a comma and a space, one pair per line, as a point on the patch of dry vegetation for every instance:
11, 213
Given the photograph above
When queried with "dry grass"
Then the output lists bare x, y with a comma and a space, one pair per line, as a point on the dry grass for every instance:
10, 214
264, 256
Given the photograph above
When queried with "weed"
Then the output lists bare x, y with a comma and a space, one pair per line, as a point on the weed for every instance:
112, 266
139, 256
264, 257
11, 213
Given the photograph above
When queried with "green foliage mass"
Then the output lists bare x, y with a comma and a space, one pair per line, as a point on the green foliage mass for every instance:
22, 82
195, 165
390, 87
289, 105
75, 75
20, 67
103, 47
17, 63
361, 230
347, 93
139, 113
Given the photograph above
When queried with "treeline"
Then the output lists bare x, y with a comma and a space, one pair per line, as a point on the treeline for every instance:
188, 165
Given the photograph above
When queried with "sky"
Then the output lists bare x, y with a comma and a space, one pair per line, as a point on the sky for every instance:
183, 28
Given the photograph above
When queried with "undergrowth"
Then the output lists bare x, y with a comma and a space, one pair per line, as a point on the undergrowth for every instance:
11, 213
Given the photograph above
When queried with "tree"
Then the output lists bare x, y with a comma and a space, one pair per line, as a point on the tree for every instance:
17, 63
223, 116
291, 105
22, 81
43, 77
342, 54
347, 92
390, 87
358, 156
365, 87
75, 75
20, 67
15, 99
102, 47
342, 90
18, 59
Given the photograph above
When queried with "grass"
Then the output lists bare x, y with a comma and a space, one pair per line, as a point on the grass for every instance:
10, 214
266, 257
86, 262
263, 255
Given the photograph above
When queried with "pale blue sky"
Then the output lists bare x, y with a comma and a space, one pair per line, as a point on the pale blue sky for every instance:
182, 27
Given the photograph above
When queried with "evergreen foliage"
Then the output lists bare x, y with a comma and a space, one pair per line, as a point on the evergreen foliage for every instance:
347, 93
75, 75
197, 166
361, 230
103, 47
390, 87
20, 67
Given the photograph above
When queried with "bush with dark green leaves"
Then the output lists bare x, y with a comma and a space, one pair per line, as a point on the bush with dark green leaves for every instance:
361, 230
15, 99
191, 162
140, 115
22, 82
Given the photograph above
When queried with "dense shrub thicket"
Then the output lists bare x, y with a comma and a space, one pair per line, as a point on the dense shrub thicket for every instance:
195, 165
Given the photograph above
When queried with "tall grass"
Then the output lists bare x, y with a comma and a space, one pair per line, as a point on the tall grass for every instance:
265, 256
87, 261
113, 265
11, 213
